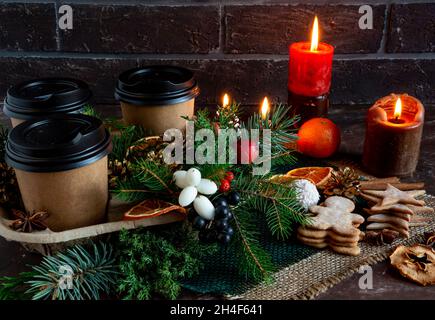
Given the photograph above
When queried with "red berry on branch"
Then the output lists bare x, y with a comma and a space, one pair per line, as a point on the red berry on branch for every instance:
225, 186
229, 176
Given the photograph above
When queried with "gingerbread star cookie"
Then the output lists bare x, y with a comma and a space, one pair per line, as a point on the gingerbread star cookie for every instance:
392, 195
334, 226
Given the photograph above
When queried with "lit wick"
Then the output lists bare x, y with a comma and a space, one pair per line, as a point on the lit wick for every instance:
397, 113
265, 109
226, 101
315, 35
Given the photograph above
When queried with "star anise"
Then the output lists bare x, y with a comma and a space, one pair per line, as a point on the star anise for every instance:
29, 222
421, 260
381, 237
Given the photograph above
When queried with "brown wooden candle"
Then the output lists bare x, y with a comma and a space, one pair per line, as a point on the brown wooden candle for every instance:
393, 135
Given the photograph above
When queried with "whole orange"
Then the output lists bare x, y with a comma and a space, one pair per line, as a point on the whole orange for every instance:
318, 138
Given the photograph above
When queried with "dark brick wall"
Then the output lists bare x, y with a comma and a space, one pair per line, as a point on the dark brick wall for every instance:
238, 46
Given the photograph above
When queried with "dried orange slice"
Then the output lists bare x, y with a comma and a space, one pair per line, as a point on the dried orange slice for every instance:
285, 179
317, 175
152, 208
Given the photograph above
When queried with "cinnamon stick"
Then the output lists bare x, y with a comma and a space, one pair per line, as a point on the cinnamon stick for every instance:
404, 186
383, 180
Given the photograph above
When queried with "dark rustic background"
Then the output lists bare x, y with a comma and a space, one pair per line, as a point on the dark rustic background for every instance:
237, 46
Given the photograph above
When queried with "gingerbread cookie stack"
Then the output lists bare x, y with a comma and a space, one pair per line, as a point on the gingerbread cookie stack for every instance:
394, 209
333, 225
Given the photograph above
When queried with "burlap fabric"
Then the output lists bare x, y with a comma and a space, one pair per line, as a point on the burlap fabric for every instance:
315, 274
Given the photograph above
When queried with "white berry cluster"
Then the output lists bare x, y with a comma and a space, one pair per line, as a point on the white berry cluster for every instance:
194, 190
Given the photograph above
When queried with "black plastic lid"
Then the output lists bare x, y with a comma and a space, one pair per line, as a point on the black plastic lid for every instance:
43, 97
156, 85
58, 143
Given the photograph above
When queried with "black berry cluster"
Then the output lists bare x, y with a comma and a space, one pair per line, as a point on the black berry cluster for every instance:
219, 229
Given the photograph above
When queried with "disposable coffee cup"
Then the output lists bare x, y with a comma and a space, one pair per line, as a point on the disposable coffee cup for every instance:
157, 97
61, 168
41, 98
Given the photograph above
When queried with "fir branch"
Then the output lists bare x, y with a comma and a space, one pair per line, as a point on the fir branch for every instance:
281, 124
202, 120
214, 172
124, 139
277, 202
93, 272
153, 176
254, 261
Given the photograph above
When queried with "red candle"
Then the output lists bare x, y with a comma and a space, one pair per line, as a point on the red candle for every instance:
310, 66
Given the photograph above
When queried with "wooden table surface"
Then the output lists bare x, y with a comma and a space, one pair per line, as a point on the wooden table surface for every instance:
386, 283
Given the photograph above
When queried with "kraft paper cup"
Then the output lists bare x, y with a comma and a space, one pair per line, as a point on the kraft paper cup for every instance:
157, 97
158, 118
61, 168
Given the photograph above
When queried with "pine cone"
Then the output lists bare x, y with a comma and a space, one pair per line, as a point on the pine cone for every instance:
344, 182
9, 192
117, 171
148, 148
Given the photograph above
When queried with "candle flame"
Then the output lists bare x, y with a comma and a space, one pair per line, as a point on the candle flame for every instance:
265, 108
398, 109
315, 35
226, 100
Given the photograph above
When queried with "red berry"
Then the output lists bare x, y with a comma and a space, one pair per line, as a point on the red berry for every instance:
229, 176
225, 186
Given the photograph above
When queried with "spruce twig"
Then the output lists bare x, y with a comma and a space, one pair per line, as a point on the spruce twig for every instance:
254, 261
90, 272
277, 202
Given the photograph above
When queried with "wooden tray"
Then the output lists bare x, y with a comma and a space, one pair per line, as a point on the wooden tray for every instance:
47, 241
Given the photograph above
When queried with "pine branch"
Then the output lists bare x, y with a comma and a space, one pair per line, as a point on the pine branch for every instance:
254, 261
214, 172
131, 190
93, 272
121, 141
277, 202
281, 124
153, 176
